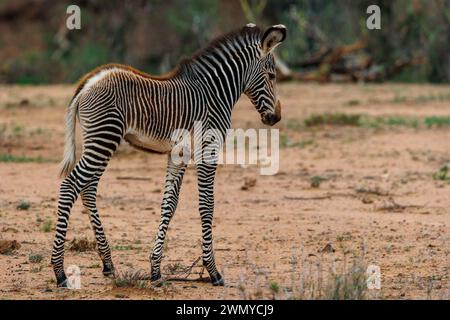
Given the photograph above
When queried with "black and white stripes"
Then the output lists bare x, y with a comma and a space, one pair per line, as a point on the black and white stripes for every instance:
115, 102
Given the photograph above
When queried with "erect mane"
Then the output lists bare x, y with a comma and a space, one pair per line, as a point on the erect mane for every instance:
246, 32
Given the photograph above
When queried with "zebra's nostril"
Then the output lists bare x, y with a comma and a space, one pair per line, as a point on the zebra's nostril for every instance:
271, 118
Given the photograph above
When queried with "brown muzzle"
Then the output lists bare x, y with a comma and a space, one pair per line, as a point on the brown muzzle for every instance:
272, 118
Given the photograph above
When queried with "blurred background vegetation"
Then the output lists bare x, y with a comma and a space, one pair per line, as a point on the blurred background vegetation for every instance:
327, 40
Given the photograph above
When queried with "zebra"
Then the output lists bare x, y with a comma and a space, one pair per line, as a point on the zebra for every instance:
116, 102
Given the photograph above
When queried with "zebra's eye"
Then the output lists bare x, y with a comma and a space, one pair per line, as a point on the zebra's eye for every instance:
272, 76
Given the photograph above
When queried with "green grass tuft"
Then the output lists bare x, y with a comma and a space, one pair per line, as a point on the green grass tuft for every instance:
333, 119
6, 157
353, 102
47, 225
441, 174
35, 258
316, 181
23, 205
436, 121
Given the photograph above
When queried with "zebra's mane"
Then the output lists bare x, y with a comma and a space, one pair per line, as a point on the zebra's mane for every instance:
246, 33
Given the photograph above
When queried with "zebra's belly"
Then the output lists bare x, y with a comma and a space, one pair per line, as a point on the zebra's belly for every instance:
149, 143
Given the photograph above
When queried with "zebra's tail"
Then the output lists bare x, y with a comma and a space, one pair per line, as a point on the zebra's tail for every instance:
68, 161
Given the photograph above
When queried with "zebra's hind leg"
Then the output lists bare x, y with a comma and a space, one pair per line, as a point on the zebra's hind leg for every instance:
206, 173
99, 146
67, 195
89, 198
69, 190
174, 178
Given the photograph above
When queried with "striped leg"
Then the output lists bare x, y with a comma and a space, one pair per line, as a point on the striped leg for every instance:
174, 178
68, 194
206, 173
89, 198
99, 146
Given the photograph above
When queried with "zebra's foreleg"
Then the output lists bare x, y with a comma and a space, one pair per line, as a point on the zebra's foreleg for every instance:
206, 173
174, 178
89, 198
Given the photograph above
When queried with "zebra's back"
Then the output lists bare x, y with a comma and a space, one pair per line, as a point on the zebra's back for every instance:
150, 108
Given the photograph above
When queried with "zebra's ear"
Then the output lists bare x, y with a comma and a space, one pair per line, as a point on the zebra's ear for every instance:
272, 37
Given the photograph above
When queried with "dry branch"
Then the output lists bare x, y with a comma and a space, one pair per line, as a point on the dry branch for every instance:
346, 63
134, 178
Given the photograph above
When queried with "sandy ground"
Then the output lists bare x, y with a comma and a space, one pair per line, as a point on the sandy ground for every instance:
377, 202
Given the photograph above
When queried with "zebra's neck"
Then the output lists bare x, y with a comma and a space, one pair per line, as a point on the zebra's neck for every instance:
223, 70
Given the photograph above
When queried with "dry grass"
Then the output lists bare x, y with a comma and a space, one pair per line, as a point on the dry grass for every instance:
82, 245
8, 246
313, 277
131, 279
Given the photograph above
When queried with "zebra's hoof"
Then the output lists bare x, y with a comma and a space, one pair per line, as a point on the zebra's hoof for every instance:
217, 280
62, 284
155, 277
108, 270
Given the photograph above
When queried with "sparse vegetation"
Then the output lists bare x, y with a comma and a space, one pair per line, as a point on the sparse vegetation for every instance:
421, 98
372, 190
353, 102
47, 225
123, 247
36, 269
82, 245
35, 257
380, 122
294, 124
7, 247
316, 181
17, 130
6, 157
435, 121
442, 173
274, 288
131, 279
348, 285
286, 142
342, 119
23, 205
317, 279
333, 119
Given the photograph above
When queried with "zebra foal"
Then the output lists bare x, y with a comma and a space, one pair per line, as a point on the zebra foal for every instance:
116, 102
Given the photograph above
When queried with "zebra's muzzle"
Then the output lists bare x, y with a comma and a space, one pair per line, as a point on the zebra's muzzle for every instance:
271, 118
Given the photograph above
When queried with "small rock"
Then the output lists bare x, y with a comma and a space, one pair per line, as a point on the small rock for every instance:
367, 200
24, 102
248, 183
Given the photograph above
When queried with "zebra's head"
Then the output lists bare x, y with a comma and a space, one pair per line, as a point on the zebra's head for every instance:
261, 84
